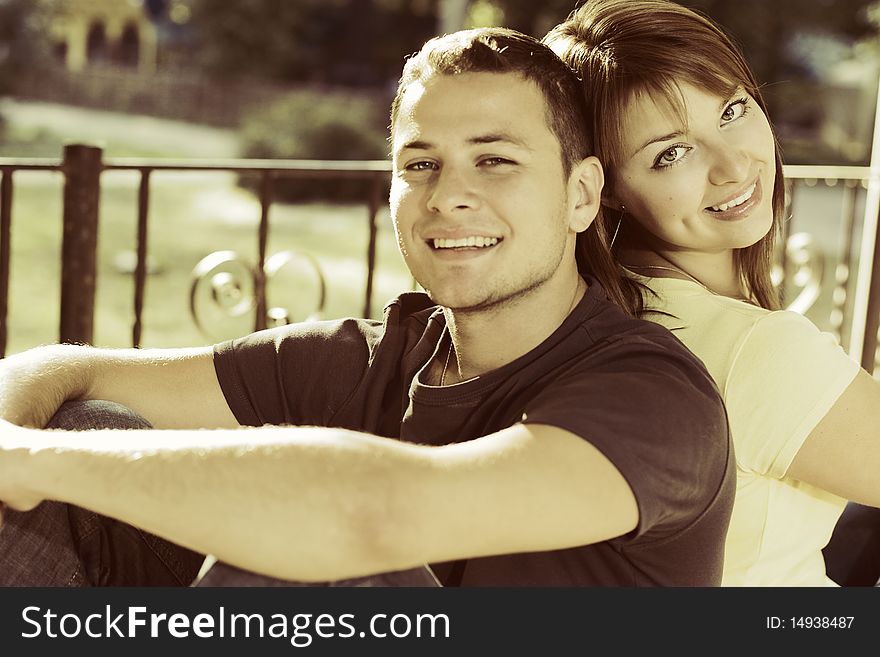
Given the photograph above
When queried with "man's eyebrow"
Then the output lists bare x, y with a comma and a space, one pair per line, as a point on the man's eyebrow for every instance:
492, 138
417, 145
497, 137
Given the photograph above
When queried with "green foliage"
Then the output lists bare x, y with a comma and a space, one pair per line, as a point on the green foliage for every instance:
844, 17
321, 126
534, 18
22, 40
763, 28
355, 43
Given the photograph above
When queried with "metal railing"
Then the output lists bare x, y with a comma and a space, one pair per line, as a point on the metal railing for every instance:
82, 166
854, 285
800, 269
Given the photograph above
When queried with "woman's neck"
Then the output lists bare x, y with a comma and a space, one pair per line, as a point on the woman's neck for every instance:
717, 272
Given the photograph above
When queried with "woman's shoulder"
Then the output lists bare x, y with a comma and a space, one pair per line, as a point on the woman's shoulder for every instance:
785, 341
680, 304
788, 325
720, 317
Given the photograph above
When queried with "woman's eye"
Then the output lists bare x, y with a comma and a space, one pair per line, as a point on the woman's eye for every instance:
734, 111
670, 156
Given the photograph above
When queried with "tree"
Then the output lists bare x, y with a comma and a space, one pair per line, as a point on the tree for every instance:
351, 42
764, 28
534, 18
22, 40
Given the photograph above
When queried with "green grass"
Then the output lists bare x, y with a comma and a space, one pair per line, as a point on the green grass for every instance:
191, 215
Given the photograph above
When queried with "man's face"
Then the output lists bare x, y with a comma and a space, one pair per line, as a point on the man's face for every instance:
479, 199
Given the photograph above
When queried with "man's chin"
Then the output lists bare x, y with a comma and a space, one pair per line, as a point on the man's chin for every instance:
474, 304
480, 300
458, 302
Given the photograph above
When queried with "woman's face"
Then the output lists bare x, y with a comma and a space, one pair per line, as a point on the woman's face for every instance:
704, 185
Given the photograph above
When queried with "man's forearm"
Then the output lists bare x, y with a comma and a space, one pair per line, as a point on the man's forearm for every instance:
297, 503
33, 384
319, 503
171, 388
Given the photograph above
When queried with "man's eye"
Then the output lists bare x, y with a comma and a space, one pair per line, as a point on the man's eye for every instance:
423, 165
495, 161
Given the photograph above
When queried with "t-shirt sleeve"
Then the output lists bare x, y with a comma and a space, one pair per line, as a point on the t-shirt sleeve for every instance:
656, 414
295, 374
785, 377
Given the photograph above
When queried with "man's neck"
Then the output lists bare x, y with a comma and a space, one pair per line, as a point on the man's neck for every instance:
487, 339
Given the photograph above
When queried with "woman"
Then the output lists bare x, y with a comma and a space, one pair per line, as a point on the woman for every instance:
693, 201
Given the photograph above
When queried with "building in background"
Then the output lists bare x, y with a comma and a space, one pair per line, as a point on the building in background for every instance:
94, 32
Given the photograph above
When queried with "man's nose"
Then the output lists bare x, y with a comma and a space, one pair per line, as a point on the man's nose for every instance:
452, 190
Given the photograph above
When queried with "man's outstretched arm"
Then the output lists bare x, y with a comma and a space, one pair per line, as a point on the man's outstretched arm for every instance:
317, 504
171, 388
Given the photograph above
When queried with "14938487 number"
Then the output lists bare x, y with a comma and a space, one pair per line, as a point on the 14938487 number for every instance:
821, 622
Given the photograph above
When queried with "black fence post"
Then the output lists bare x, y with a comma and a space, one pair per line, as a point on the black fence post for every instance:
374, 201
266, 187
872, 320
82, 186
5, 235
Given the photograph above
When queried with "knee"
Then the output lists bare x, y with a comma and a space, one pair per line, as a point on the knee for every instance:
96, 414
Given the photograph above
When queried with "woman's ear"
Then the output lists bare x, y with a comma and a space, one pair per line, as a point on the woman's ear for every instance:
585, 189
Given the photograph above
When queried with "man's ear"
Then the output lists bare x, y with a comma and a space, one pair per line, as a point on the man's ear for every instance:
585, 189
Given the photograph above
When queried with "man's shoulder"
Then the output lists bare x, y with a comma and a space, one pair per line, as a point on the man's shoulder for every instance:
624, 347
409, 309
609, 325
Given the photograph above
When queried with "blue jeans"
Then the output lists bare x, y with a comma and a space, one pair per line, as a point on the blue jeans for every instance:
58, 544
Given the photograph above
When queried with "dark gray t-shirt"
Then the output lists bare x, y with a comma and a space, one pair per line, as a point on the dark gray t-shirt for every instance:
627, 386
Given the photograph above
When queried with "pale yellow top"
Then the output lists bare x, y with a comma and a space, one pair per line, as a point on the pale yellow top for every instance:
778, 375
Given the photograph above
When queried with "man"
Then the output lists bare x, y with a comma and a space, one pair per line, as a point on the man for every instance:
522, 431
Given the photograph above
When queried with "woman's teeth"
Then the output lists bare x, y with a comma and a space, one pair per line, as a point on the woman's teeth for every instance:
739, 200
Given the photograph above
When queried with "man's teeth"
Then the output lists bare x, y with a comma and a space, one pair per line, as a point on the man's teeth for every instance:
478, 241
739, 200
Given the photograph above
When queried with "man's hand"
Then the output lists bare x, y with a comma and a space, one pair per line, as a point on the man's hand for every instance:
13, 468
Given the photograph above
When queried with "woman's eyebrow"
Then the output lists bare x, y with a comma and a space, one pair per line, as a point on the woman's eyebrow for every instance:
739, 91
654, 140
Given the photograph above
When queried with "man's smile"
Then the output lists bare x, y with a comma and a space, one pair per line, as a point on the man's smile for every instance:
469, 242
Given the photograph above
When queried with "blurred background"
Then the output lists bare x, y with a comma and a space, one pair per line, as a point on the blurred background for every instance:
206, 82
